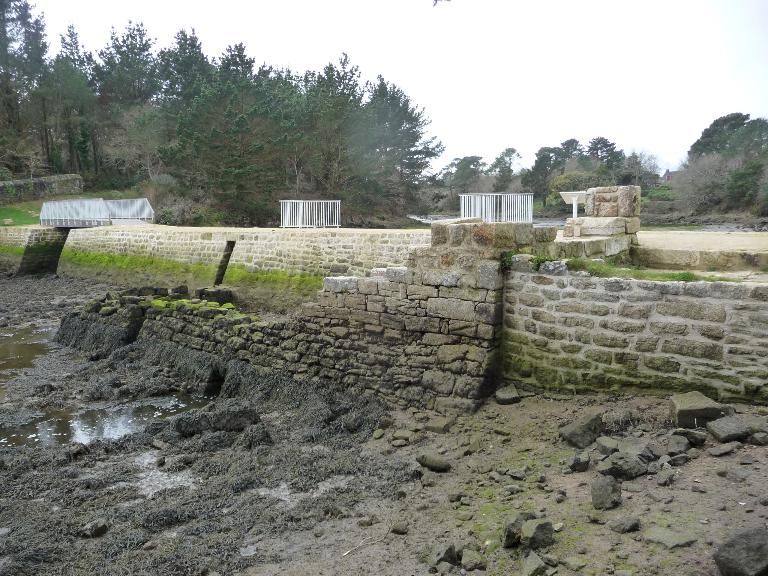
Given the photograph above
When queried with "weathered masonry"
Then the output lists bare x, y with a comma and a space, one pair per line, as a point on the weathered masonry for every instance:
45, 187
31, 249
576, 332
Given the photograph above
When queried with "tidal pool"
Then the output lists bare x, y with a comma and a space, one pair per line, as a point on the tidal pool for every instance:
108, 422
19, 349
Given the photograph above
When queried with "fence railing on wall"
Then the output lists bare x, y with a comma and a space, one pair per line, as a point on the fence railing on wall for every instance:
497, 207
310, 213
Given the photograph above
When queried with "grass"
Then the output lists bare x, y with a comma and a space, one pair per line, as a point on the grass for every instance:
28, 212
608, 270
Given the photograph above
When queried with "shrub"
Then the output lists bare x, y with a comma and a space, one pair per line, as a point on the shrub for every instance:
5, 174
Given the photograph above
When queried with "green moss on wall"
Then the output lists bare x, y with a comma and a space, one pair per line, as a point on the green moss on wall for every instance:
135, 268
11, 250
238, 275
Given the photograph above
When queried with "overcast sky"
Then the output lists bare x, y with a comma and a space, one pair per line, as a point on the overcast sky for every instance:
647, 74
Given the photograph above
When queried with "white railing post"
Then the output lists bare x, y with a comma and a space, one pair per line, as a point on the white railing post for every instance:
497, 207
310, 213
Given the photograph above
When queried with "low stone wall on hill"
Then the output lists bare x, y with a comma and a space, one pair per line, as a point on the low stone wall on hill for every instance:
44, 187
575, 332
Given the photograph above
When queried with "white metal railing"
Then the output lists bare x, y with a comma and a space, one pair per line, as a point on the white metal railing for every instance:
497, 207
310, 213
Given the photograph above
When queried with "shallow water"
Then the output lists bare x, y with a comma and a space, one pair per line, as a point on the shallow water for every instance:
18, 350
109, 422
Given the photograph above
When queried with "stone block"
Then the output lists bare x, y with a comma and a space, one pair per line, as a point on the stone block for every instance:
745, 553
632, 225
601, 226
489, 276
451, 308
605, 210
439, 233
693, 348
707, 311
368, 286
340, 284
693, 409
438, 381
628, 201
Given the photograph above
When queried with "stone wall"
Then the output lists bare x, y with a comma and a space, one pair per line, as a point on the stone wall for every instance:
307, 251
575, 332
45, 187
30, 249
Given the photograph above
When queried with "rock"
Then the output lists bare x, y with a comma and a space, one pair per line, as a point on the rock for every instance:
434, 462
537, 533
695, 437
736, 427
507, 395
439, 425
443, 553
378, 433
583, 431
693, 409
403, 434
759, 439
744, 554
693, 453
472, 560
607, 445
533, 565
624, 525
580, 462
95, 528
512, 529
606, 492
640, 447
575, 563
399, 443
668, 538
666, 477
623, 466
400, 528
724, 449
679, 459
677, 445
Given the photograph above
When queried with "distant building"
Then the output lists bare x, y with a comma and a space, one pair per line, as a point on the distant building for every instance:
669, 174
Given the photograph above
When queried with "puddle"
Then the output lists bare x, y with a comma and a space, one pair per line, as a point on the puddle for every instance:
19, 349
110, 422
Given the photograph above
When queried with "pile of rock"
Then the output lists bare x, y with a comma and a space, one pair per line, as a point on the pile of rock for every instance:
699, 421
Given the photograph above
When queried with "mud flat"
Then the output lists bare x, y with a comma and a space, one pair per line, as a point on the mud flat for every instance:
269, 476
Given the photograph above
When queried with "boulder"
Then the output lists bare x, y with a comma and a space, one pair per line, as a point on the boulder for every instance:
723, 449
693, 409
625, 524
443, 553
507, 395
472, 560
737, 427
668, 538
677, 445
580, 462
607, 445
533, 565
623, 466
433, 462
583, 431
695, 437
513, 527
606, 492
537, 533
744, 554
439, 425
95, 528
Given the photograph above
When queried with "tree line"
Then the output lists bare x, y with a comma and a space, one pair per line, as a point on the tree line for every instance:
220, 134
220, 139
